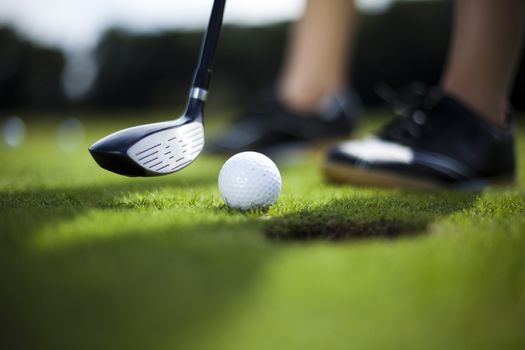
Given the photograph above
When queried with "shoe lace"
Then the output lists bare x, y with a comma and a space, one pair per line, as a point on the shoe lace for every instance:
411, 106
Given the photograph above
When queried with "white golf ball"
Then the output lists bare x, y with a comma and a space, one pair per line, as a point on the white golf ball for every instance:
249, 180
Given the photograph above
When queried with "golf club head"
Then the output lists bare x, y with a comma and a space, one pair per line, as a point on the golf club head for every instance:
152, 149
164, 148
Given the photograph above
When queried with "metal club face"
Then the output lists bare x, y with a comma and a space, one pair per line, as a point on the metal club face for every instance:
169, 150
152, 149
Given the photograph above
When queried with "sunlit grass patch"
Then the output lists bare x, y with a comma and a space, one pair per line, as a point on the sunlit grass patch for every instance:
92, 260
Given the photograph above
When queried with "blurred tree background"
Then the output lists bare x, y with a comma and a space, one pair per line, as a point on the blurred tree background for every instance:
407, 42
30, 75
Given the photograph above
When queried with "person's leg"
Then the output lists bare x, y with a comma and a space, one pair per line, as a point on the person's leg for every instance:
309, 102
318, 54
484, 54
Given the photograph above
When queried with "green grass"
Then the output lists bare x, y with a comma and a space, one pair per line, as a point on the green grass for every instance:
91, 260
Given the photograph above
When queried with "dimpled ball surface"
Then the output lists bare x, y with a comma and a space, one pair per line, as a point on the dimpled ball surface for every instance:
249, 180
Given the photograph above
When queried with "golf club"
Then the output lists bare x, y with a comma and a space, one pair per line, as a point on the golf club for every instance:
163, 148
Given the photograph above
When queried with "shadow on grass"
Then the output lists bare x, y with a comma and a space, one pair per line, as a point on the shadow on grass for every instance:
388, 215
166, 288
161, 289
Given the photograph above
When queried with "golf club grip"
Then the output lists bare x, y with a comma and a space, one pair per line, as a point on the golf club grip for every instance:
209, 46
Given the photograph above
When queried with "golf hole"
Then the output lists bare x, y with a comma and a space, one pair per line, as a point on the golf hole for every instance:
302, 228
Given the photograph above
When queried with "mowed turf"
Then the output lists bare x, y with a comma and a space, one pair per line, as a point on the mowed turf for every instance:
92, 260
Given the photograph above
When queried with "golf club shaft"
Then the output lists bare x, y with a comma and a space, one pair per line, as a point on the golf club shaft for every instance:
202, 76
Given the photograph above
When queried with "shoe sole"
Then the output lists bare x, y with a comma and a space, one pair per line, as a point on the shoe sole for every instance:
371, 178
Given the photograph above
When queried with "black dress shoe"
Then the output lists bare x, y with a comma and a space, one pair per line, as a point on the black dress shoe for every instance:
269, 125
435, 141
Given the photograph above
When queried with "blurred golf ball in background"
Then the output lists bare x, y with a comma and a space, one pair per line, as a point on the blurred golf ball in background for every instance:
14, 132
249, 180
